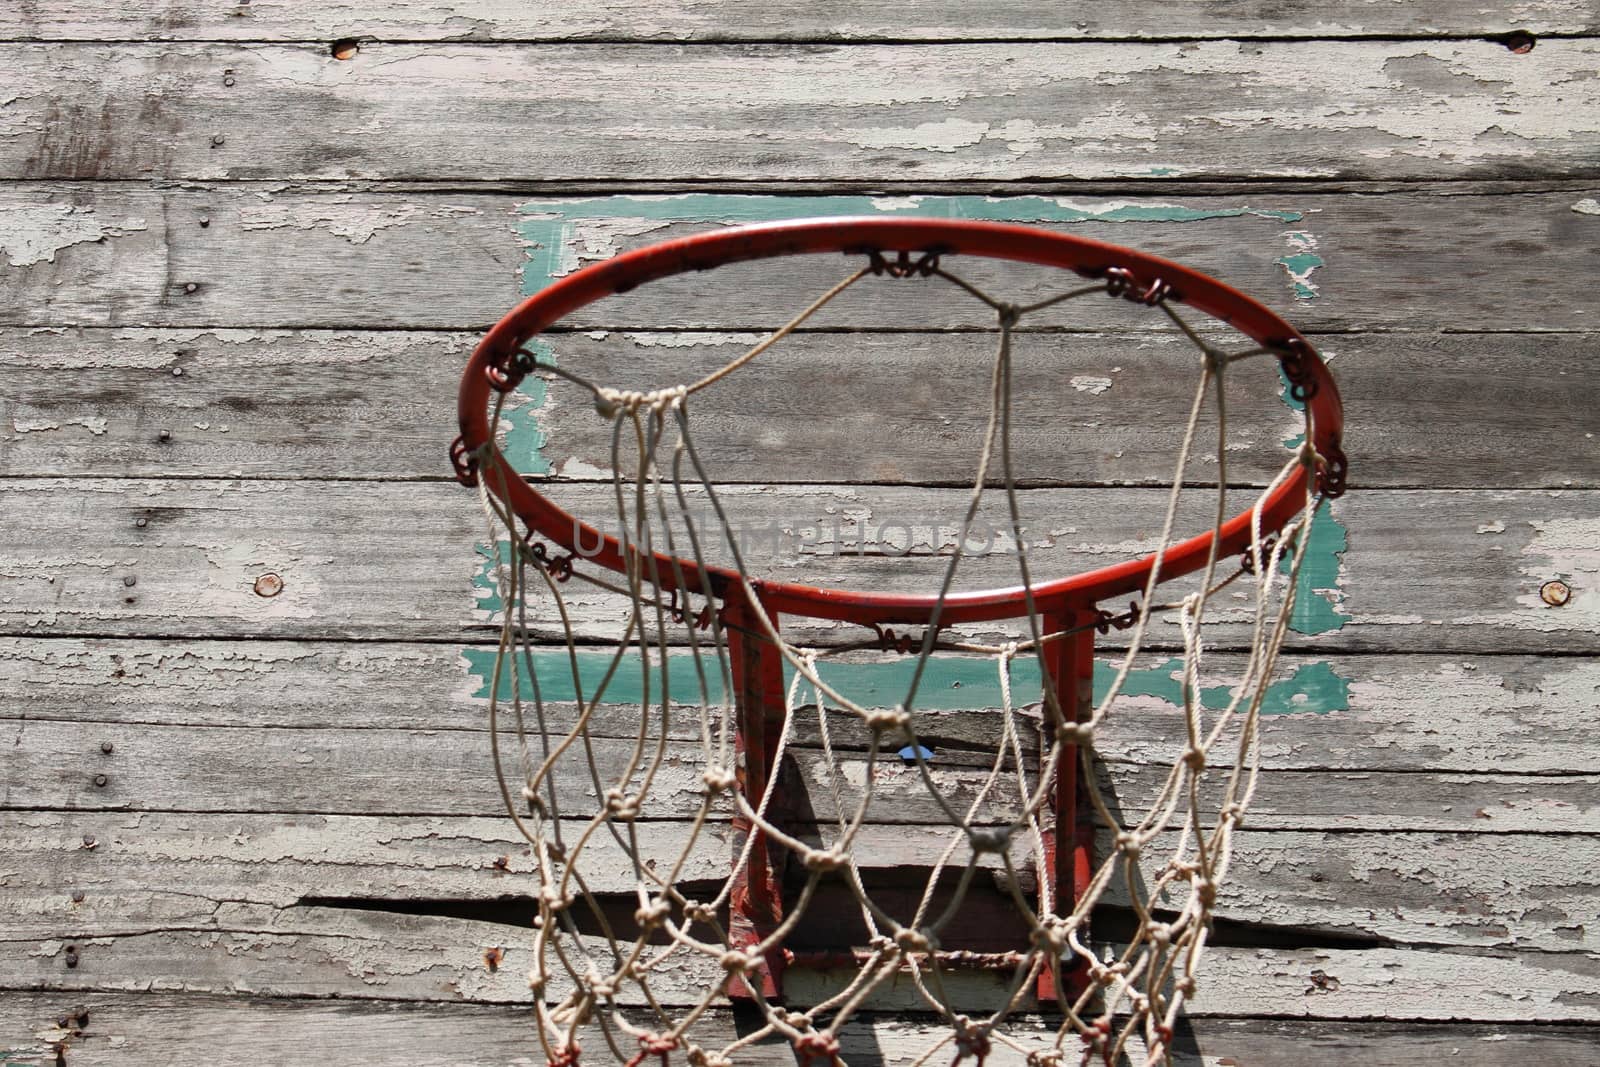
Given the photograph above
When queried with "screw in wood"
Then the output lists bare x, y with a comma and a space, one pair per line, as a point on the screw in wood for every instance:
1519, 41
268, 585
1555, 592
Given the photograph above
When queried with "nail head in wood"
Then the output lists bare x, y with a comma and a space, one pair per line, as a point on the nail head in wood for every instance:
1555, 592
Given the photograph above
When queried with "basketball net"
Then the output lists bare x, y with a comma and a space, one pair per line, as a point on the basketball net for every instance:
596, 979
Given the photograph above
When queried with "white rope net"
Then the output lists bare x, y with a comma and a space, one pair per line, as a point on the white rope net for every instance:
605, 816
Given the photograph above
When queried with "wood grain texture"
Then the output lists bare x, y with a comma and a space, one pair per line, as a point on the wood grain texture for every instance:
718, 20
152, 871
55, 765
237, 1032
95, 254
393, 773
238, 278
322, 952
1508, 716
1090, 408
1210, 109
79, 563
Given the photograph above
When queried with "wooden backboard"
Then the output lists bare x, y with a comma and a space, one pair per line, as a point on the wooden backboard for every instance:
246, 631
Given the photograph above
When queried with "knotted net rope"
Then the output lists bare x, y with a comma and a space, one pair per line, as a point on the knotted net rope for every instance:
645, 982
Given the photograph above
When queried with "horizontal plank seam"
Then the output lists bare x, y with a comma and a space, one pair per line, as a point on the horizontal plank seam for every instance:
490, 813
834, 40
453, 331
226, 480
1306, 1010
481, 637
1234, 184
1368, 942
1563, 486
580, 331
227, 1001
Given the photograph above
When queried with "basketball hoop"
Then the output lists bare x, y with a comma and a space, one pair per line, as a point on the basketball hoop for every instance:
679, 601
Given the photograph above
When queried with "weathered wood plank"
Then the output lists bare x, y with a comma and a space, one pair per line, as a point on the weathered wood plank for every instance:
238, 402
325, 952
1509, 715
365, 771
237, 1032
697, 20
1089, 408
55, 764
91, 874
986, 111
393, 560
224, 256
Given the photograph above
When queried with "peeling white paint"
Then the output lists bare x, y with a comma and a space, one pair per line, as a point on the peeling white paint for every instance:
690, 340
94, 424
343, 216
1090, 134
946, 136
1500, 109
1089, 383
234, 568
577, 470
601, 238
34, 233
1301, 262
1565, 548
1587, 206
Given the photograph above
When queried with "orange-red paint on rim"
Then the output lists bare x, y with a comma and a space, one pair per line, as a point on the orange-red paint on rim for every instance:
862, 236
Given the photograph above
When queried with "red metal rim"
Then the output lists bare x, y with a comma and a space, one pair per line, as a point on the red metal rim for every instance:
1026, 244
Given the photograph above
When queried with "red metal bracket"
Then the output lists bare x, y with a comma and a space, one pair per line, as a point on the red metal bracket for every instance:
755, 906
1069, 836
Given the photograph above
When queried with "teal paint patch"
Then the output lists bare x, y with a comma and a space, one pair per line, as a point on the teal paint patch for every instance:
1294, 440
485, 583
549, 232
1317, 605
523, 439
1314, 687
950, 683
1318, 601
556, 683
1163, 681
1299, 264
549, 229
